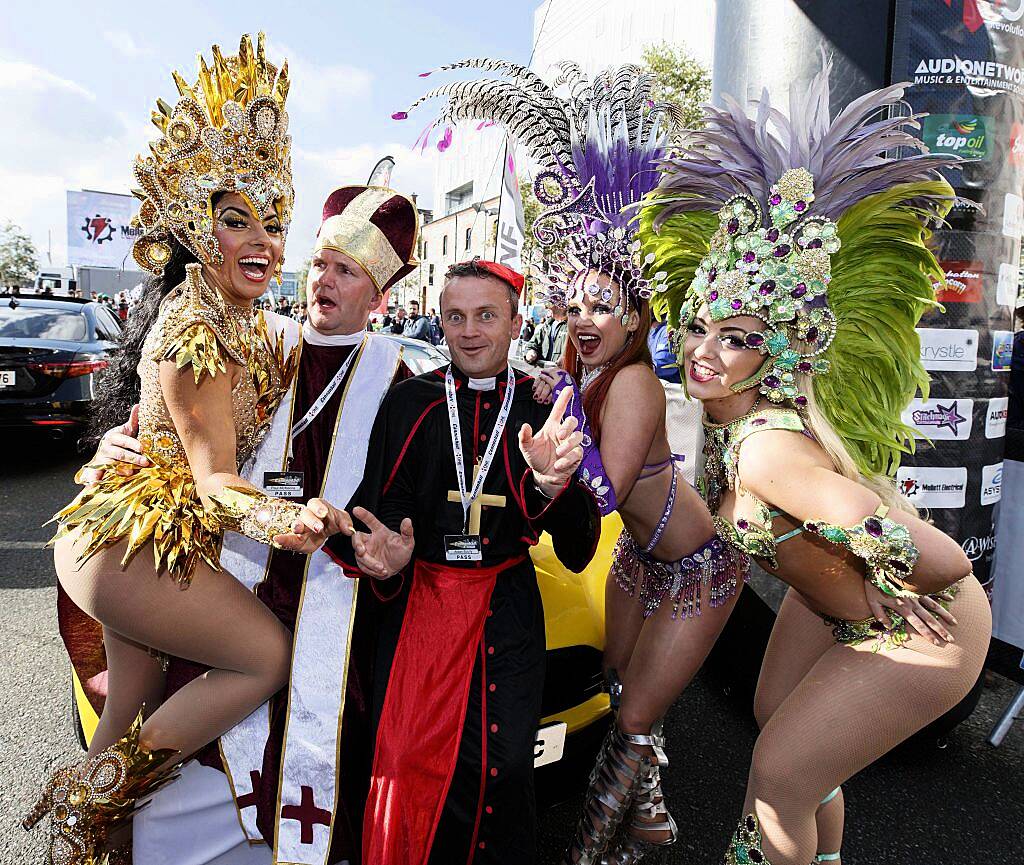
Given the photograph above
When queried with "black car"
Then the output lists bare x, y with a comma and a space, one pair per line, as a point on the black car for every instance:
51, 352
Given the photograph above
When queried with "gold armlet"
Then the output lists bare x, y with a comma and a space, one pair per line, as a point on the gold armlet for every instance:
253, 513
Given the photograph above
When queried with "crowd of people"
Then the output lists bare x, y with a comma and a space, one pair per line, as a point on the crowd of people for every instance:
297, 580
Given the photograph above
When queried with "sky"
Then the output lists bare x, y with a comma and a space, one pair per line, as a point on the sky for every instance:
78, 82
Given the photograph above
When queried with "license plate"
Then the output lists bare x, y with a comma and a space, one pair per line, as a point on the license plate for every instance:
6, 378
550, 744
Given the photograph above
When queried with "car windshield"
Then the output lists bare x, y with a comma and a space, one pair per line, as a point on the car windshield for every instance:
33, 322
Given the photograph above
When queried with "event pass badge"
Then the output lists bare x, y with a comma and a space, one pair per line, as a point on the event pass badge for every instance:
463, 548
284, 485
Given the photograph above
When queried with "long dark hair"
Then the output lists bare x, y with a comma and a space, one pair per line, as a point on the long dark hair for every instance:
118, 389
634, 351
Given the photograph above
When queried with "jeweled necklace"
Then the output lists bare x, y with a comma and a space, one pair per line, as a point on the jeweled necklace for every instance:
716, 444
590, 377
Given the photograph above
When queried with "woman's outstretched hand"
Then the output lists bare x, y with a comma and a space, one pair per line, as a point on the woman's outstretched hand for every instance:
318, 520
554, 452
382, 553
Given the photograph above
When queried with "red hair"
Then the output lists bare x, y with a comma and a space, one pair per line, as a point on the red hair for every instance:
634, 351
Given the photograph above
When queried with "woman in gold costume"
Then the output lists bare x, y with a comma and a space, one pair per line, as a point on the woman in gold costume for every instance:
216, 197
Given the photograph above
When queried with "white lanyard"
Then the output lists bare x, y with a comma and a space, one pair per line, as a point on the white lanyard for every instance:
492, 445
328, 392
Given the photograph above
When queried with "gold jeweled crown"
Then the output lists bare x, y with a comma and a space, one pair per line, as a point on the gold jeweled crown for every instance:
227, 133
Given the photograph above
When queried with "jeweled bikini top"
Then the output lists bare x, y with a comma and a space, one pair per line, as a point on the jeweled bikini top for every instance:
722, 452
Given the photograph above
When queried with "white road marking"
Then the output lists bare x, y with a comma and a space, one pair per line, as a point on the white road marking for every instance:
22, 545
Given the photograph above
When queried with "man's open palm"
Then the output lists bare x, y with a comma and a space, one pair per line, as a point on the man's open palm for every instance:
381, 552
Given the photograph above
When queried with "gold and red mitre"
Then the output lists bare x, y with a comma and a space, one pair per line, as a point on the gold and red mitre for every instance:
374, 225
227, 133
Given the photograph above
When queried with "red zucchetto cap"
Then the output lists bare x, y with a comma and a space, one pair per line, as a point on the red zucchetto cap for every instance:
374, 225
502, 271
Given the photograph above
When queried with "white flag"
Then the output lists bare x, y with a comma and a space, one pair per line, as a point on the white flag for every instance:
509, 246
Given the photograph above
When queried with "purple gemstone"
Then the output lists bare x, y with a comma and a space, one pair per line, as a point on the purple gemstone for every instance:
815, 244
399, 115
712, 274
811, 527
812, 334
737, 304
781, 250
769, 284
804, 366
763, 290
772, 381
800, 206
713, 296
773, 234
733, 226
799, 291
873, 527
801, 401
749, 257
742, 524
760, 421
754, 340
775, 199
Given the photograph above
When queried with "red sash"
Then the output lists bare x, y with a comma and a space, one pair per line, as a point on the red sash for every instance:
424, 710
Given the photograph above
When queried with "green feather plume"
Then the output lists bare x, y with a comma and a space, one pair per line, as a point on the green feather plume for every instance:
883, 281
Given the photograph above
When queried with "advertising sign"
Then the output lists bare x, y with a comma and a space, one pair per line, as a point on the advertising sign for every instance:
965, 60
99, 229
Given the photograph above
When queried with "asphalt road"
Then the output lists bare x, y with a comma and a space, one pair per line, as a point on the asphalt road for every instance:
959, 804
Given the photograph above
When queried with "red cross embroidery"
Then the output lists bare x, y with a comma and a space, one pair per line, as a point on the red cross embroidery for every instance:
250, 799
307, 814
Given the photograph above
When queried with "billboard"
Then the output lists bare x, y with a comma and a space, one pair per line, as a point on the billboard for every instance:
99, 229
965, 59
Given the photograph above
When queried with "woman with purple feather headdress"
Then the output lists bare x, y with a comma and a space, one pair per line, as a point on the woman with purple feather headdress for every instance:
796, 272
599, 152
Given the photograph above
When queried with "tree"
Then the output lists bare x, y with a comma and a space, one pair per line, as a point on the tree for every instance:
19, 261
301, 275
679, 78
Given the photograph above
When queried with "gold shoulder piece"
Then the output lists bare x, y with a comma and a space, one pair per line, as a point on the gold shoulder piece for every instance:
198, 329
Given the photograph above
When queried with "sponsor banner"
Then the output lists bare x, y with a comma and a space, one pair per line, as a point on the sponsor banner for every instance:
949, 349
1015, 149
1006, 287
1013, 215
995, 417
940, 419
964, 282
1002, 350
953, 71
99, 229
511, 221
991, 484
975, 547
933, 486
965, 135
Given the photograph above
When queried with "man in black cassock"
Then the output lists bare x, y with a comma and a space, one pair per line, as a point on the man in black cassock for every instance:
452, 778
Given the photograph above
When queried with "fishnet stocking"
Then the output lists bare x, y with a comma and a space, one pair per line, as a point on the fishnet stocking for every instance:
825, 718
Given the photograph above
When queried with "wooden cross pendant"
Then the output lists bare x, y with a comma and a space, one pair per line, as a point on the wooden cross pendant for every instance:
475, 508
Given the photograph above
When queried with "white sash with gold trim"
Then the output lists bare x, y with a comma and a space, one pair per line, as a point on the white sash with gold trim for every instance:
320, 656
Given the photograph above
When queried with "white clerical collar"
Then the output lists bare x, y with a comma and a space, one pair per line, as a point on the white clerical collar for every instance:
483, 383
314, 337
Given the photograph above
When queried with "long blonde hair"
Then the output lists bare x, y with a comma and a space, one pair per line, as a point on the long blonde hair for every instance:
882, 485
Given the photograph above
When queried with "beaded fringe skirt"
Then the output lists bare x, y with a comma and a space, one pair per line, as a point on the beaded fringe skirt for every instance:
714, 563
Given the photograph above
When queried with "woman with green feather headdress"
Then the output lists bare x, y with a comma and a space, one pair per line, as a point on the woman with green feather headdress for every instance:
797, 270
